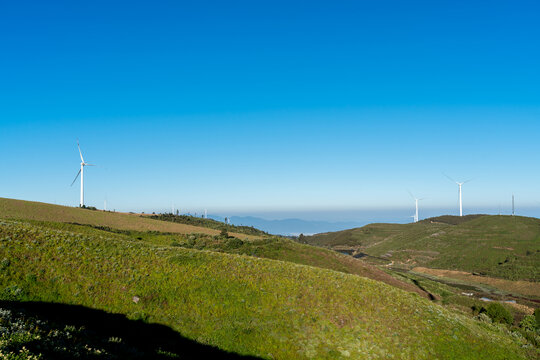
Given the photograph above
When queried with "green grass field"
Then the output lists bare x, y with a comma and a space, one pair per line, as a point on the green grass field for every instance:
30, 210
499, 246
188, 291
169, 233
238, 303
268, 247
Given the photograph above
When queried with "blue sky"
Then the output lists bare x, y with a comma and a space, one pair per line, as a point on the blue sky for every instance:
271, 107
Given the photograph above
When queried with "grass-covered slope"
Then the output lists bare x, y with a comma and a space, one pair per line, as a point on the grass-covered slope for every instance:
247, 305
173, 232
268, 247
30, 210
501, 246
208, 223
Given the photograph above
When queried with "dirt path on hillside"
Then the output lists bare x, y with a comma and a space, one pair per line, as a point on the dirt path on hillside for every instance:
364, 269
520, 286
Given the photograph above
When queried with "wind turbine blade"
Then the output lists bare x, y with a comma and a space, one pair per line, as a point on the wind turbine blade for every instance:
80, 152
410, 193
76, 177
449, 178
89, 164
467, 181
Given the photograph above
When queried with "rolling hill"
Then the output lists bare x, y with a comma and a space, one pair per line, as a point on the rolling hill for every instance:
31, 210
506, 247
234, 303
131, 227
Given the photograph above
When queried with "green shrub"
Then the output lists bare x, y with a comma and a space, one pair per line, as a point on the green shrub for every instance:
498, 313
478, 309
233, 243
483, 317
537, 316
528, 323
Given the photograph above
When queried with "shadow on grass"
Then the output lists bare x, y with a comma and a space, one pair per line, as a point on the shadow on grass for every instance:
430, 295
120, 337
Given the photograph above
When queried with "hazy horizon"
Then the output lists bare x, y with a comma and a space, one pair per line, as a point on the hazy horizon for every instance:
332, 214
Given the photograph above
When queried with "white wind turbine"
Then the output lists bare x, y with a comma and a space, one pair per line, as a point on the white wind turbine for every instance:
81, 172
416, 203
460, 184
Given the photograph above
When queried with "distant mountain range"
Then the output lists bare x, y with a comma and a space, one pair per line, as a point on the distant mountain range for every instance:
291, 227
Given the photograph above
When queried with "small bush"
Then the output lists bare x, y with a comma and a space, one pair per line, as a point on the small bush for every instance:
537, 316
498, 313
528, 323
477, 309
190, 243
483, 317
88, 207
233, 243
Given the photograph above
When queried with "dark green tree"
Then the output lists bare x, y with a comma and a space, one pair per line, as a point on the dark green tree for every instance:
498, 313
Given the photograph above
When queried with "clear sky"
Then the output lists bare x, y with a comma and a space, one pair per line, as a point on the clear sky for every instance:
269, 106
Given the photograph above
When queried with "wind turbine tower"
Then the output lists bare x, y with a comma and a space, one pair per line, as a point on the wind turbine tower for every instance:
513, 207
460, 184
81, 172
416, 203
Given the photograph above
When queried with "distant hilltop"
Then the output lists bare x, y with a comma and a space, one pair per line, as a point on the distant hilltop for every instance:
294, 227
502, 246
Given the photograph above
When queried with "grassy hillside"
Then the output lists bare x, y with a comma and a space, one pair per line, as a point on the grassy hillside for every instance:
133, 227
241, 304
208, 223
268, 247
500, 246
20, 209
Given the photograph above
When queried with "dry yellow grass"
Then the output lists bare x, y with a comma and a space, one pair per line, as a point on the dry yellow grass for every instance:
520, 287
20, 209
